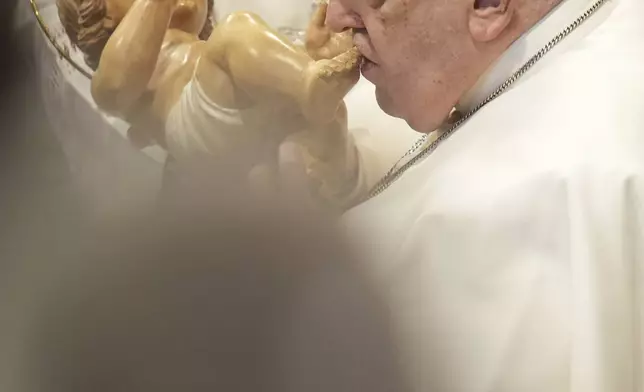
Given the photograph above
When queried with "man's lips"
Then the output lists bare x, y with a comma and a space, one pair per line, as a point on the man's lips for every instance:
366, 55
364, 47
367, 60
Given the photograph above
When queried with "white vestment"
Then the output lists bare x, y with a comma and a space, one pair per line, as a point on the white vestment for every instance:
513, 256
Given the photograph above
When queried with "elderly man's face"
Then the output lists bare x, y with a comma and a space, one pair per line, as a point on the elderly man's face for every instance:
418, 53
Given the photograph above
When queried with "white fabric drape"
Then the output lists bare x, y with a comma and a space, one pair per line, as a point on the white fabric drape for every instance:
513, 256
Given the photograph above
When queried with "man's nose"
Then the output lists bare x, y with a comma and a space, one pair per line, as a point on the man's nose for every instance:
340, 18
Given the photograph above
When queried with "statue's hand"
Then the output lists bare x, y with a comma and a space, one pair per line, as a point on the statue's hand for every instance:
323, 161
321, 43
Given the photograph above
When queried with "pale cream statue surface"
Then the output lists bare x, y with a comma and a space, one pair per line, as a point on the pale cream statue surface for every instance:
241, 88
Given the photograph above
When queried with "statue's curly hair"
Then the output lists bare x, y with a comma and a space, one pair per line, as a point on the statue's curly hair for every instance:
89, 27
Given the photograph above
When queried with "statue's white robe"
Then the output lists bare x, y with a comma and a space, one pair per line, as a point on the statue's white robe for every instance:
513, 256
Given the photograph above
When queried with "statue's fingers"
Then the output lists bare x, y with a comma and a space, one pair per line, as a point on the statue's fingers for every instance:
319, 17
316, 37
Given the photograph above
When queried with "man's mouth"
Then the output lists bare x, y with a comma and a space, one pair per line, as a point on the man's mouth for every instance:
363, 44
366, 63
366, 55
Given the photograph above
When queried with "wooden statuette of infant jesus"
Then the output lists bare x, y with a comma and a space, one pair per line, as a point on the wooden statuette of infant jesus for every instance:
244, 88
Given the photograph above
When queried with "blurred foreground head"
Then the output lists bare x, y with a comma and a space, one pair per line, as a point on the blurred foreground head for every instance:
234, 295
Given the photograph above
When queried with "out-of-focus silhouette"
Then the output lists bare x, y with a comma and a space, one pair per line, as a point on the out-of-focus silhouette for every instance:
38, 203
224, 291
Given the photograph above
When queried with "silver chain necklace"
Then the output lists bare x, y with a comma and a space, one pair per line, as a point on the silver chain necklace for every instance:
395, 173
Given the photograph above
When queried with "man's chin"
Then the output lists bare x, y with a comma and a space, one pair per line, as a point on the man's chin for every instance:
393, 108
386, 103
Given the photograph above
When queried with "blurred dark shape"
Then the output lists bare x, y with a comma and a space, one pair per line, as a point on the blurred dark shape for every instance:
11, 61
225, 291
7, 42
38, 205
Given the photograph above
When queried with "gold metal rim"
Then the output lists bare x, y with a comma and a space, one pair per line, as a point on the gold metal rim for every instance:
62, 52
